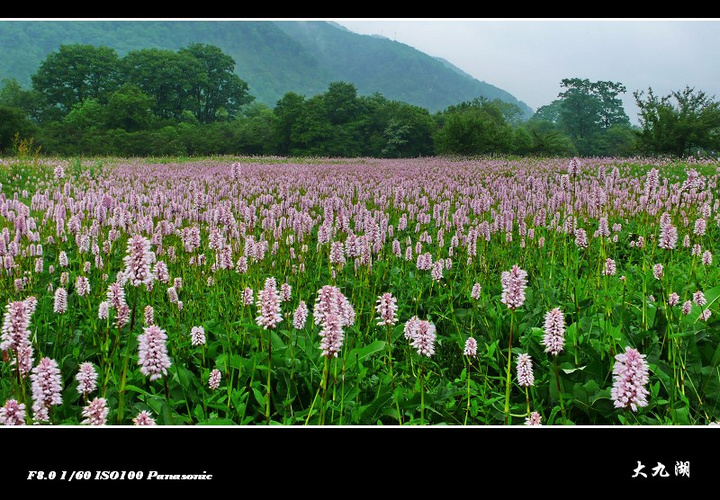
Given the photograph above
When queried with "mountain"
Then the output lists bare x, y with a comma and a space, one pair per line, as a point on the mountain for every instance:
273, 57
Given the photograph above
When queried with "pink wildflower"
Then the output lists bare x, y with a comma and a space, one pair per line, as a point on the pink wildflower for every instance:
581, 239
534, 419
630, 374
149, 315
153, 358
60, 304
197, 334
59, 172
86, 378
475, 294
387, 309
16, 333
138, 261
668, 237
687, 306
268, 304
332, 335
574, 167
82, 286
554, 339
214, 380
13, 413
437, 270
411, 327
525, 374
300, 316
123, 315
248, 296
470, 347
707, 258
285, 292
172, 295
330, 300
116, 295
514, 284
161, 272
423, 338
658, 271
46, 388
144, 418
95, 412
337, 253
610, 268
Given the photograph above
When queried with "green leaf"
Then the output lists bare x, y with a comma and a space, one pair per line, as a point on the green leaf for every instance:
360, 353
259, 396
199, 413
135, 388
216, 421
568, 368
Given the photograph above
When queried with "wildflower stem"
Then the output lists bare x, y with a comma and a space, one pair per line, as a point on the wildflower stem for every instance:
509, 368
559, 389
269, 373
467, 407
527, 400
121, 392
422, 393
392, 378
324, 384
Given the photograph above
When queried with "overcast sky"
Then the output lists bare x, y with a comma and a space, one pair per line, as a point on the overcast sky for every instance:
529, 57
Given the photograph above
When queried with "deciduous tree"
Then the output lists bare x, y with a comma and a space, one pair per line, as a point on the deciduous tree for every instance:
681, 123
75, 73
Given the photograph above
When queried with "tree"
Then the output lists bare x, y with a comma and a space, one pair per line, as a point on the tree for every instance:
408, 132
546, 136
472, 128
549, 113
73, 74
129, 108
330, 124
215, 86
586, 110
199, 79
287, 112
394, 129
341, 103
14, 125
13, 95
681, 123
579, 112
165, 76
611, 107
87, 115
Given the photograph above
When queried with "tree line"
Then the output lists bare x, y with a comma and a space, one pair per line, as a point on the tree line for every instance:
87, 100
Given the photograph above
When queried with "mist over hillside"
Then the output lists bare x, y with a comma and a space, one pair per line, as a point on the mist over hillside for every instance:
273, 57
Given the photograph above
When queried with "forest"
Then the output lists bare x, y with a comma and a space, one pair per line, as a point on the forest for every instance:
87, 100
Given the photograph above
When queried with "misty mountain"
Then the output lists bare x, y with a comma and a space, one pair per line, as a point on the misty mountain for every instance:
273, 57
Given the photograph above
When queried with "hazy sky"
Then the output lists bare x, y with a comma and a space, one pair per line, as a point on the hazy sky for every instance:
529, 57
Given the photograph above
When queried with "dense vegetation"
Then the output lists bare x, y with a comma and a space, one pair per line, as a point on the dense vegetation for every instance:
272, 57
87, 100
337, 292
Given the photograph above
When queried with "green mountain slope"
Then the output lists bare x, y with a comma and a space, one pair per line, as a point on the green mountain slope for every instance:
273, 57
396, 70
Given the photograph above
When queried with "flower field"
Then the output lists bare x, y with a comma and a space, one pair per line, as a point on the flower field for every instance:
254, 291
